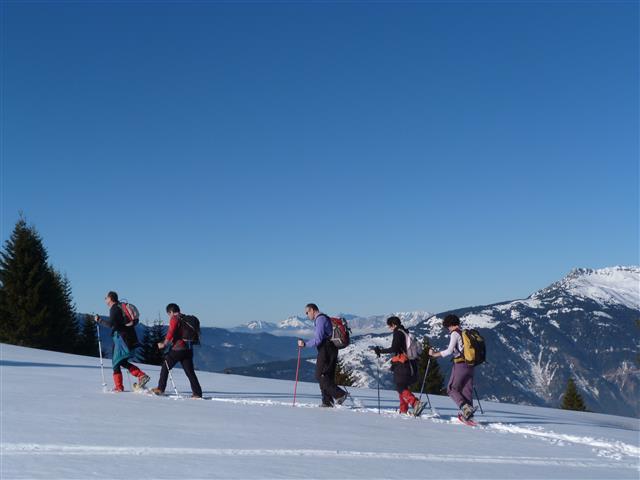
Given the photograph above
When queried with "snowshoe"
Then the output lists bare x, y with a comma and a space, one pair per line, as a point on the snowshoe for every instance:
468, 422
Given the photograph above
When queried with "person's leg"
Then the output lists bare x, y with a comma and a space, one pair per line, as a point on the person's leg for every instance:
467, 386
330, 373
189, 370
167, 364
321, 366
456, 381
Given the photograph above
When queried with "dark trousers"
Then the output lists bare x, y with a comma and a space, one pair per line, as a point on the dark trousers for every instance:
326, 372
185, 357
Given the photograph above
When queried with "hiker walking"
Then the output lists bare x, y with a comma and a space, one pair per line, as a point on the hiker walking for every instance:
327, 359
405, 371
460, 387
181, 351
125, 342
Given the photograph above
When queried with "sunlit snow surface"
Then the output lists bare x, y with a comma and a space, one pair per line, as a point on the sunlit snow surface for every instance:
58, 423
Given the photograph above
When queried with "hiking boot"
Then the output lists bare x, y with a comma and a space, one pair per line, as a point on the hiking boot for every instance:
342, 399
467, 411
156, 391
143, 380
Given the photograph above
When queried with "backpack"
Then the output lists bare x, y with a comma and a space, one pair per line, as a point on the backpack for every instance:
414, 348
340, 336
474, 348
131, 314
190, 329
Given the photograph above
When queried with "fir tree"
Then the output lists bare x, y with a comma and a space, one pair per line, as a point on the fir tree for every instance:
26, 289
88, 339
36, 307
572, 399
152, 336
435, 380
344, 375
65, 331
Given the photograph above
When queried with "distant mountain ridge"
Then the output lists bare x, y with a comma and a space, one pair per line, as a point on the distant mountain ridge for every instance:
299, 326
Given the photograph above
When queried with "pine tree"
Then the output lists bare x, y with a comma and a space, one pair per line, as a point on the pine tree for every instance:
572, 399
435, 380
26, 289
152, 336
65, 332
344, 375
88, 339
36, 307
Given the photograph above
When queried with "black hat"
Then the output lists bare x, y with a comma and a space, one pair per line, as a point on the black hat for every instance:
450, 321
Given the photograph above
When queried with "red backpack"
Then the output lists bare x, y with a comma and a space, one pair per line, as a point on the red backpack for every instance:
341, 333
131, 314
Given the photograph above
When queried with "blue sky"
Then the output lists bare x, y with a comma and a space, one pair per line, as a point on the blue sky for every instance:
243, 159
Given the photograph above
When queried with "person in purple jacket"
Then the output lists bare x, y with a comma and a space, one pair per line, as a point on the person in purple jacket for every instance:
327, 356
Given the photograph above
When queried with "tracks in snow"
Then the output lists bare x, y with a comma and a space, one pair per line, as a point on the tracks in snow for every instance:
32, 449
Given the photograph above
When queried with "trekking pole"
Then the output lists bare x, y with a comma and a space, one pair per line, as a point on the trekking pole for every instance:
424, 380
171, 377
478, 398
104, 383
129, 377
378, 365
295, 387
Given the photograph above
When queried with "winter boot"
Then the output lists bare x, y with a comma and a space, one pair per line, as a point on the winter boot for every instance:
156, 391
467, 411
143, 379
117, 382
342, 399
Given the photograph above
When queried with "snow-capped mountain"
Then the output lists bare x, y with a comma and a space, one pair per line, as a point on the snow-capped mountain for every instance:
582, 326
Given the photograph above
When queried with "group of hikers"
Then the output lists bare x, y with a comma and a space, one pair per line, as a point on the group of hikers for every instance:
405, 369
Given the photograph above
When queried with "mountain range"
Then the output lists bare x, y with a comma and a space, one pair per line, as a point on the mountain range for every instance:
584, 326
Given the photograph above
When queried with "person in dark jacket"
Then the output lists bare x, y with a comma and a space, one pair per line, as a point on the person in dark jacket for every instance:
125, 342
405, 371
327, 359
181, 351
460, 387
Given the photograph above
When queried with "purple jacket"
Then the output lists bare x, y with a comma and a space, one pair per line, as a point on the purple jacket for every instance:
324, 330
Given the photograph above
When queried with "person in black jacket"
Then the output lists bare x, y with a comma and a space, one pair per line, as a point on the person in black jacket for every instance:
405, 371
125, 341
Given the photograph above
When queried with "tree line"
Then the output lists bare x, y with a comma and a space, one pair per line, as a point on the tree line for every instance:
37, 310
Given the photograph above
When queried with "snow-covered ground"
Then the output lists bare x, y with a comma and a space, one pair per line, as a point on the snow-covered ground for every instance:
58, 423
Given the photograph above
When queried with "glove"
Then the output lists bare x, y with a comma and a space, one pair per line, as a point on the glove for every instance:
377, 351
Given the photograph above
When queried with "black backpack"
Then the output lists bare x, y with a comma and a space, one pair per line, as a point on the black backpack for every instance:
190, 329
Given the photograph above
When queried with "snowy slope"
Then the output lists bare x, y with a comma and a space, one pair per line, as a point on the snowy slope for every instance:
57, 423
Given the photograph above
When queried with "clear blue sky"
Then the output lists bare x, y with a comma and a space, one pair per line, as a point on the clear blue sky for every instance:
245, 159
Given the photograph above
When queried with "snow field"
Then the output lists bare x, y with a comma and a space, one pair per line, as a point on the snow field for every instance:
67, 427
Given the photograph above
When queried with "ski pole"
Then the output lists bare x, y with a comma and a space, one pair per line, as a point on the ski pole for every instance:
104, 383
295, 387
378, 365
478, 398
129, 377
171, 377
424, 380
